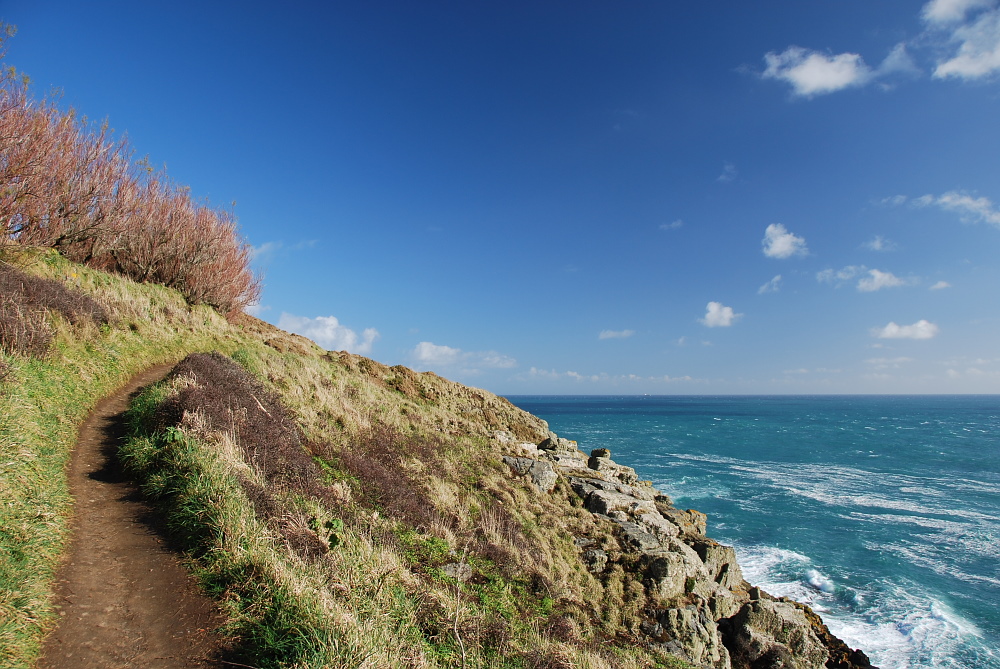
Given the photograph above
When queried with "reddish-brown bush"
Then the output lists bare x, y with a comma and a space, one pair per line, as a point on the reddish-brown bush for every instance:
68, 184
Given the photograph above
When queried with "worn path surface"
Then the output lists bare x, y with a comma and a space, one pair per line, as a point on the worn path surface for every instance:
123, 597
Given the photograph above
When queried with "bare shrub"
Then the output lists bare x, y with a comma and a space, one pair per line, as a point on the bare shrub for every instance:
232, 400
70, 184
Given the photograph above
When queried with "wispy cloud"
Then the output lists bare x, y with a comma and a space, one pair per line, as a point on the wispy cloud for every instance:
729, 173
870, 280
427, 355
976, 34
877, 280
842, 275
971, 209
673, 225
888, 363
615, 334
772, 286
940, 285
922, 329
719, 316
941, 12
329, 333
778, 242
879, 243
268, 250
603, 377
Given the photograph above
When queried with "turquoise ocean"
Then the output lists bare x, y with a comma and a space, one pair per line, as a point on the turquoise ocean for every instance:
880, 512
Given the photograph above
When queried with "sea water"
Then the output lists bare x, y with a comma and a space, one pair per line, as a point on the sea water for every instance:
880, 512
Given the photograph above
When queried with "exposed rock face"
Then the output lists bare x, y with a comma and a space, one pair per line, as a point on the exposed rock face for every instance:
705, 612
772, 633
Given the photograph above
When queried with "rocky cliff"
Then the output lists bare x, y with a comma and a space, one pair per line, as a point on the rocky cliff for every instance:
702, 609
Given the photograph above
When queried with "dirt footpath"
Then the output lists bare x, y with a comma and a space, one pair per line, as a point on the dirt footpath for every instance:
123, 598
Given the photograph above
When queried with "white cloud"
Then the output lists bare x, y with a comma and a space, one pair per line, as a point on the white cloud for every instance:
719, 316
329, 333
729, 173
264, 251
430, 354
840, 275
893, 201
780, 243
427, 355
949, 11
771, 286
978, 53
922, 329
970, 209
940, 285
814, 73
615, 334
877, 280
256, 310
673, 225
880, 243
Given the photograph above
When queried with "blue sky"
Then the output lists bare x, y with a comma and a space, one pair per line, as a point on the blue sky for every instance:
583, 197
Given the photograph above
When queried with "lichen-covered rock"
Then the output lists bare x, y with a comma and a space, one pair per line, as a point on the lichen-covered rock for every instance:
541, 473
692, 523
596, 560
702, 609
720, 562
689, 633
772, 633
609, 468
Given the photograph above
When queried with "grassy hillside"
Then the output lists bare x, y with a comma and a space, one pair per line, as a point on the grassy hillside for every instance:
348, 514
400, 536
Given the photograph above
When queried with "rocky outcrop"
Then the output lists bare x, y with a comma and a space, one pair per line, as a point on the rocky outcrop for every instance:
703, 610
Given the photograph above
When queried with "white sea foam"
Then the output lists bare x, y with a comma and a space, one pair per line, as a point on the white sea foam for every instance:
819, 581
898, 625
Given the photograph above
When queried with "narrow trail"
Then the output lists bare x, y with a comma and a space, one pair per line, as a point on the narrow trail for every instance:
123, 597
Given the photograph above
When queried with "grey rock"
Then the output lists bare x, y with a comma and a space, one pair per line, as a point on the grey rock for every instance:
667, 573
690, 634
720, 561
646, 494
604, 501
458, 571
692, 523
773, 632
613, 470
596, 560
542, 474
519, 465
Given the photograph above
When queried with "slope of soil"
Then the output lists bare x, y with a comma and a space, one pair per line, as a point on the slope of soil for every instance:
123, 597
